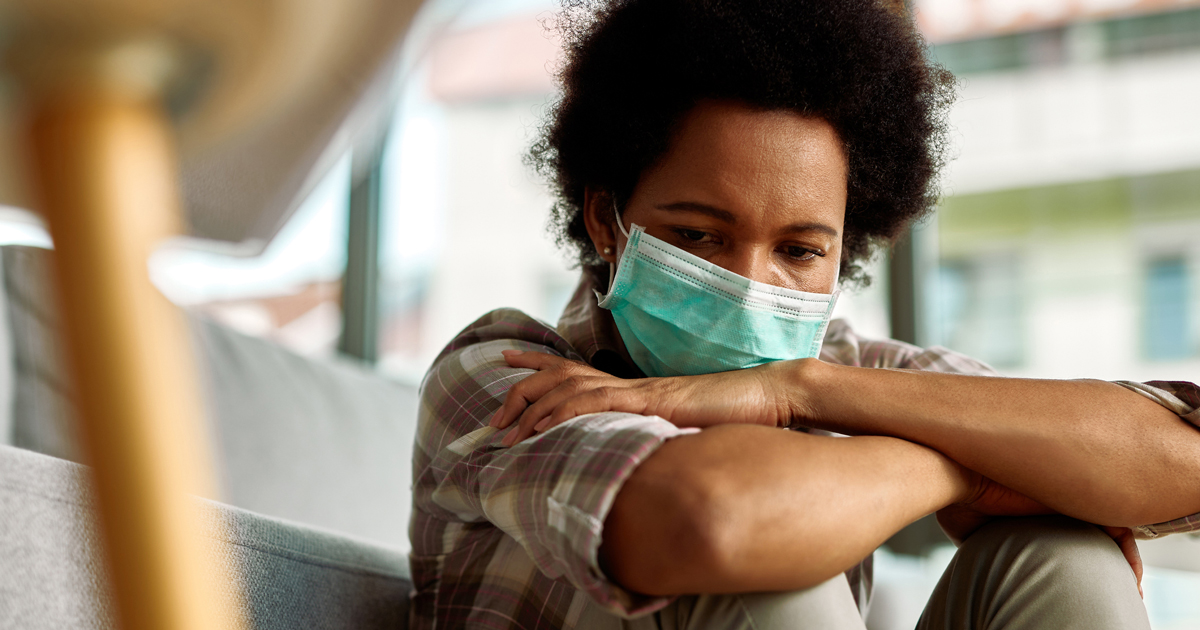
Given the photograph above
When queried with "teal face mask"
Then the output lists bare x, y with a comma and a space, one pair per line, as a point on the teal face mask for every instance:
679, 314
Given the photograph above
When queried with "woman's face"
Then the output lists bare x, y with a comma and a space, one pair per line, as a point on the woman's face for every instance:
760, 193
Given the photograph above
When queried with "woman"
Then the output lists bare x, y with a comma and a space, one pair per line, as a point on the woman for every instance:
722, 165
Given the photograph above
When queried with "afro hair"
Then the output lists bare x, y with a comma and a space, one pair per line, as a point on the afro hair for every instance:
635, 68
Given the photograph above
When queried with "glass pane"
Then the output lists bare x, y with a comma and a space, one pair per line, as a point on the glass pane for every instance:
977, 308
1165, 333
1154, 33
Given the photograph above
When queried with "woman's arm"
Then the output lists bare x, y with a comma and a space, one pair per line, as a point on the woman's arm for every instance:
740, 508
1088, 449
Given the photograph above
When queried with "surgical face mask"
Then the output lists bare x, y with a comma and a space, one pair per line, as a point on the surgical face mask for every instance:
679, 314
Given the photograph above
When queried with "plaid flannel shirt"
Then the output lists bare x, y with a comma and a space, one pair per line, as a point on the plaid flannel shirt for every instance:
509, 537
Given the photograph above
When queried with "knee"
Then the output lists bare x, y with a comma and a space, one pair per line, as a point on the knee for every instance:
826, 606
1039, 530
1058, 539
1040, 572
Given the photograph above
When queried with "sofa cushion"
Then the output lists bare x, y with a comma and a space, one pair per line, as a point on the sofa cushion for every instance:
326, 443
291, 576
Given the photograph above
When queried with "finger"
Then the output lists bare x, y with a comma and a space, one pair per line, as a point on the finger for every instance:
533, 360
1124, 538
567, 389
519, 433
592, 401
514, 436
524, 427
525, 393
1130, 549
551, 370
514, 403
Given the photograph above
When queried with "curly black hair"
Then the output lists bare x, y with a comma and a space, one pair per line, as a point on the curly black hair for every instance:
635, 68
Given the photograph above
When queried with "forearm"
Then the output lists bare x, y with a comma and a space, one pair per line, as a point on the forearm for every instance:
1088, 449
745, 508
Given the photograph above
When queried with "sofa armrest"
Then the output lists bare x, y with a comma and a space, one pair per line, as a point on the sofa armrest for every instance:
291, 576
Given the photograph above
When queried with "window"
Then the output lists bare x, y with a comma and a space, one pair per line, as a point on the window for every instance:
1118, 38
1165, 300
1156, 33
462, 217
977, 309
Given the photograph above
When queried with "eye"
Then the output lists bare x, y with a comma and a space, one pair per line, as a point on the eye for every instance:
802, 253
693, 239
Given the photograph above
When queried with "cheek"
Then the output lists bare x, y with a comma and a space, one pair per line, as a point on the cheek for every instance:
820, 277
817, 277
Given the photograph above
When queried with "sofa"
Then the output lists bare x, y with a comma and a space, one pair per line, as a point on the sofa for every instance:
313, 460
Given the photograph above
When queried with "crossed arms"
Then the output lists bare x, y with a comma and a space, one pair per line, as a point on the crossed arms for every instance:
742, 506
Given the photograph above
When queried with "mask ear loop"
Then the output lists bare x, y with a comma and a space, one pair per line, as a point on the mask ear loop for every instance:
620, 224
612, 267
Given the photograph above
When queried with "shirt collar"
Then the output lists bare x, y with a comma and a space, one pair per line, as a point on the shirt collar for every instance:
593, 333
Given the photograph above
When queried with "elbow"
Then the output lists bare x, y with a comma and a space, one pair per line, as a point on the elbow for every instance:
671, 532
705, 519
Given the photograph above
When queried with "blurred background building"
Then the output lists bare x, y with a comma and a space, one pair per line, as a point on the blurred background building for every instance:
1067, 243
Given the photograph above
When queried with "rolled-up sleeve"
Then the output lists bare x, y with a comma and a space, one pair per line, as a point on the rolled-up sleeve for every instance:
550, 493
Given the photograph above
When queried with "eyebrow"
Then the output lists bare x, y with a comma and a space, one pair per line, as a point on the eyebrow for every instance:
730, 218
813, 226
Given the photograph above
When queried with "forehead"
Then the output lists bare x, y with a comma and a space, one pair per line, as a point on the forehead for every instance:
754, 163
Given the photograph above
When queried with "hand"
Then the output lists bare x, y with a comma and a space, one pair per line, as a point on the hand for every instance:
985, 500
988, 500
1123, 536
563, 389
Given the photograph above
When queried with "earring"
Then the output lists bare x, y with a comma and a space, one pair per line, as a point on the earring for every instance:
608, 251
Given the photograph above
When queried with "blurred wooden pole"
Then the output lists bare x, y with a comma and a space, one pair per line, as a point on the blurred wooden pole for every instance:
105, 166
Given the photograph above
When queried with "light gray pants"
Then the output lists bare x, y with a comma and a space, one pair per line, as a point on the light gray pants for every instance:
1016, 574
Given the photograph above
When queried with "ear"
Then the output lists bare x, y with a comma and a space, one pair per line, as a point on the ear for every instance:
599, 218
